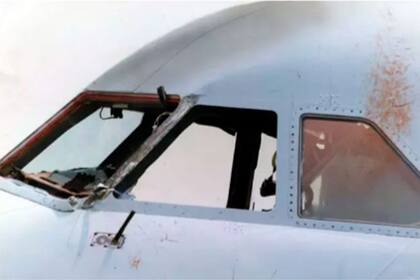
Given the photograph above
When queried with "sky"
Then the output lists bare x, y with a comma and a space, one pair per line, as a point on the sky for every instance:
50, 51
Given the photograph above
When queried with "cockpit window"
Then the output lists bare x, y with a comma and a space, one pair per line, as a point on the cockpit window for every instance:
74, 160
86, 144
217, 157
350, 172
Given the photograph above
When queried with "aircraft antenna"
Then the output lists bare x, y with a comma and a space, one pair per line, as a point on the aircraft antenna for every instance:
120, 232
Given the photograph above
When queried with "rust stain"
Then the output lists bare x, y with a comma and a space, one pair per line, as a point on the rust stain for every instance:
388, 103
135, 263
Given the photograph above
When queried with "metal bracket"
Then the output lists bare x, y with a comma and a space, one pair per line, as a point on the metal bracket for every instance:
103, 239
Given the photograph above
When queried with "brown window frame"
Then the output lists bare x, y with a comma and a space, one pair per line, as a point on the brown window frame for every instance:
46, 134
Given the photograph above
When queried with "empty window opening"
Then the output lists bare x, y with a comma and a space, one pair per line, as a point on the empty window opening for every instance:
350, 172
191, 170
220, 158
264, 185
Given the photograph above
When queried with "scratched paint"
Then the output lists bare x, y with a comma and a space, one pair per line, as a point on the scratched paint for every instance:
388, 102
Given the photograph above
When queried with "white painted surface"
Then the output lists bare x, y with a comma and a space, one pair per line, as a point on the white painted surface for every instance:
170, 241
42, 243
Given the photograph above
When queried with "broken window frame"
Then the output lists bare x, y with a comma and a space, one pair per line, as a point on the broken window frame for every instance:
377, 130
126, 176
124, 180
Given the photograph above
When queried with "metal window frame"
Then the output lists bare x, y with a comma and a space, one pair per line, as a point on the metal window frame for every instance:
295, 152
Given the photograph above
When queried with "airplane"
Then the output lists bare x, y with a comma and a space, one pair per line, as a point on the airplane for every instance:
269, 140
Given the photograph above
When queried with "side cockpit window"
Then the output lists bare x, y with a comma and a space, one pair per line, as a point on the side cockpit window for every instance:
220, 158
349, 171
